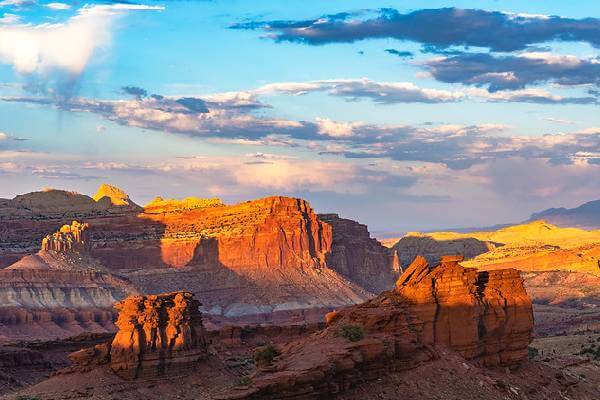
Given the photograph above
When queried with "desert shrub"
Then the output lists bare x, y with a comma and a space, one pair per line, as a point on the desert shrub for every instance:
532, 352
27, 397
264, 355
593, 352
353, 333
244, 380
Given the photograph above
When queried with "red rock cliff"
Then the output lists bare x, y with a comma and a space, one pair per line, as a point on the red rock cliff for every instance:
274, 232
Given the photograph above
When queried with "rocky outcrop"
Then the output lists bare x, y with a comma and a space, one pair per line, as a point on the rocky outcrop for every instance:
54, 203
157, 334
485, 317
479, 314
113, 196
358, 257
274, 232
69, 238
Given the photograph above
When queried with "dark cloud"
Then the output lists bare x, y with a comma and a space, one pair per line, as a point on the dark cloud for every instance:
440, 28
430, 49
193, 104
400, 53
510, 72
134, 91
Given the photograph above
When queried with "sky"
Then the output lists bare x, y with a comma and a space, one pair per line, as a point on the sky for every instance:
403, 115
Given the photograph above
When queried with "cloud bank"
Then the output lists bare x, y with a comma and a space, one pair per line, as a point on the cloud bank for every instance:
227, 118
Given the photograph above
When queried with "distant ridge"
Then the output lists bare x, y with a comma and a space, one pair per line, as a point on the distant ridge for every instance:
585, 216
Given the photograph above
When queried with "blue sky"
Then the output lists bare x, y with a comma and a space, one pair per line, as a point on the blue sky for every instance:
406, 115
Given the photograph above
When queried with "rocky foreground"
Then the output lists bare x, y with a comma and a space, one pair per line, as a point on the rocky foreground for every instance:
445, 332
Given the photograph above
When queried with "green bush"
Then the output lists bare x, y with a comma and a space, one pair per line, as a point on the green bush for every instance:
353, 333
27, 397
264, 355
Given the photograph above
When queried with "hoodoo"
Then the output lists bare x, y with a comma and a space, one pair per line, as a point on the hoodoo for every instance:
157, 334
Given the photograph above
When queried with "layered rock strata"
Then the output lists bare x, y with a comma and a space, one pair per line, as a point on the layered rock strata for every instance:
256, 258
485, 317
157, 334
59, 291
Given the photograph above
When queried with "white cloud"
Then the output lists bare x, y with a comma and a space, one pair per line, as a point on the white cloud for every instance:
67, 47
58, 6
17, 3
9, 19
335, 128
379, 92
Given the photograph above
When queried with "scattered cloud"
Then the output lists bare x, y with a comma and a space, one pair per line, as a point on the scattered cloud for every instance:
400, 53
559, 120
58, 6
9, 19
538, 96
354, 89
497, 31
457, 146
17, 3
134, 91
406, 92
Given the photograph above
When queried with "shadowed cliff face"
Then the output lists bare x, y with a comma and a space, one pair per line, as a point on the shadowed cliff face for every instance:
275, 232
410, 247
358, 257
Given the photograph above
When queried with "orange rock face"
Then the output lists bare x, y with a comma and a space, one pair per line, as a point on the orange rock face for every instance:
275, 232
157, 334
486, 317
485, 314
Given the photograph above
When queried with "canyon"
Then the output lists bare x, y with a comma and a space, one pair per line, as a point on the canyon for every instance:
264, 260
177, 298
